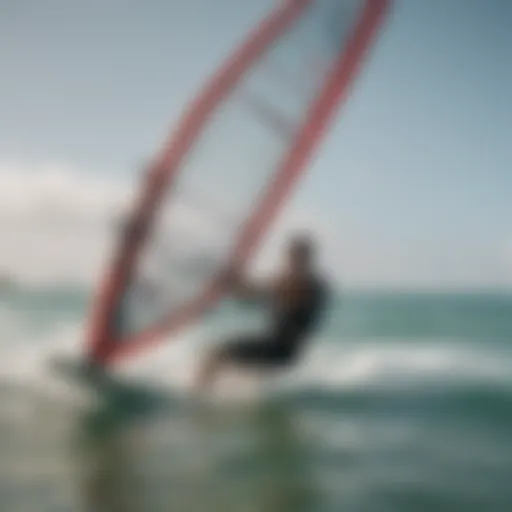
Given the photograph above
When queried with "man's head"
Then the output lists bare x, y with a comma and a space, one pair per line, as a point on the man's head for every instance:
301, 252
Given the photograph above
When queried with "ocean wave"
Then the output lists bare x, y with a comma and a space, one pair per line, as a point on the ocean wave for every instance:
330, 366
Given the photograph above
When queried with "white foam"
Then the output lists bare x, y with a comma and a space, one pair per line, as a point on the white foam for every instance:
349, 365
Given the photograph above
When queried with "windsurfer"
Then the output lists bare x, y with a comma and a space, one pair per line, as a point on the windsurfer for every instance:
297, 299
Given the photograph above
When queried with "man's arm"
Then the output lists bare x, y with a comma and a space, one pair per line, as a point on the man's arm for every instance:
246, 289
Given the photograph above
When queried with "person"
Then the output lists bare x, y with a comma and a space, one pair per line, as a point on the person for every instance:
297, 300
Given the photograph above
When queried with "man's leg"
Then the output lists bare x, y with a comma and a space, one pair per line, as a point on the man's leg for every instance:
241, 351
249, 352
209, 369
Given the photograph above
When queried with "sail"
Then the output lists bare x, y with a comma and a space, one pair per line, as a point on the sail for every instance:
211, 195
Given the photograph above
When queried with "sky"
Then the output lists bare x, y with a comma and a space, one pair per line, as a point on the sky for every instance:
410, 189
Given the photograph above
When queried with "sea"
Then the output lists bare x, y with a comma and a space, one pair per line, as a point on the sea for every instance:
402, 403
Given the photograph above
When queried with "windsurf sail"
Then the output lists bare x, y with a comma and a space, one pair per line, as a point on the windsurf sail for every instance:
210, 196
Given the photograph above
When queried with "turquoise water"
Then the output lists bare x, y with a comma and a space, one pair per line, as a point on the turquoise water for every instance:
403, 403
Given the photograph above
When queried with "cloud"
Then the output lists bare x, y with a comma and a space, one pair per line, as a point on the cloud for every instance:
58, 225
55, 222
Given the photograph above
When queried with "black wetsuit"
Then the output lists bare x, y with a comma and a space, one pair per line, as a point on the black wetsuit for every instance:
289, 329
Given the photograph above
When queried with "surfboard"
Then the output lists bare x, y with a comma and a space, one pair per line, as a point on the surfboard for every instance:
210, 195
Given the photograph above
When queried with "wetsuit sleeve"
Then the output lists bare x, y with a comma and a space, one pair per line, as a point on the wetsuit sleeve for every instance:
251, 291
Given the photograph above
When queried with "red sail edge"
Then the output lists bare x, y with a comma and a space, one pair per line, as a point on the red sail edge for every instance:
104, 348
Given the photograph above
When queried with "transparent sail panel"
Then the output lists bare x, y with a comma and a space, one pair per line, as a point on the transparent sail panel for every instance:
225, 174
